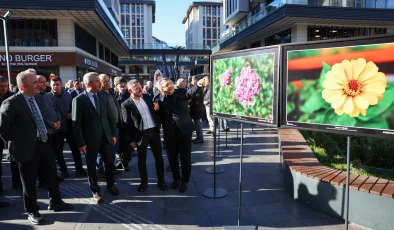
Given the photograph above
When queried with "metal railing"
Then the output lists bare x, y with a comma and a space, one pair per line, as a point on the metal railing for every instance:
170, 58
169, 46
273, 6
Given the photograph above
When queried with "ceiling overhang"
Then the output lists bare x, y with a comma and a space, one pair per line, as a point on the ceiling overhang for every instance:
289, 15
92, 15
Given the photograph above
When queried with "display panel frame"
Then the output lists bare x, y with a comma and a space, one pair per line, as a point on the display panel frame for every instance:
328, 128
274, 122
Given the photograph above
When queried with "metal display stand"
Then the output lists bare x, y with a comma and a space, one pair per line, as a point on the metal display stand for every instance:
240, 190
236, 138
214, 192
347, 184
215, 169
219, 155
226, 147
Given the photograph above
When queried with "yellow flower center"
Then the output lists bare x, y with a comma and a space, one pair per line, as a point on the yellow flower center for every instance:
352, 88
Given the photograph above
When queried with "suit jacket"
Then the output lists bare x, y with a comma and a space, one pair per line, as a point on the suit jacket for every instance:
180, 114
90, 125
53, 114
74, 93
197, 108
18, 128
132, 120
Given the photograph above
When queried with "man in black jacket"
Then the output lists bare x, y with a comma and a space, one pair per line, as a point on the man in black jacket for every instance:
197, 112
178, 127
141, 129
207, 101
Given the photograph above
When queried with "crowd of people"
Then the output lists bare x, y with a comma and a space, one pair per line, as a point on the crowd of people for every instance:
103, 124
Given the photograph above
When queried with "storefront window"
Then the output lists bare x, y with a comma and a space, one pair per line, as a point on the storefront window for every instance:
85, 40
30, 32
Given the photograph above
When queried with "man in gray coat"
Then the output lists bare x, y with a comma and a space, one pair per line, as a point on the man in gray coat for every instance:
63, 101
22, 125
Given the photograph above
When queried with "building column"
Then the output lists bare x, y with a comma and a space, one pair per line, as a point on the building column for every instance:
66, 32
68, 73
127, 68
299, 33
145, 69
390, 30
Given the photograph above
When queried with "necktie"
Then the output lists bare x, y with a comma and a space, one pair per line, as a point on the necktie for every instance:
96, 103
42, 134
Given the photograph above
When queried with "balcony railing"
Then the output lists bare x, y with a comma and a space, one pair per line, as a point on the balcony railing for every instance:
170, 58
169, 46
273, 6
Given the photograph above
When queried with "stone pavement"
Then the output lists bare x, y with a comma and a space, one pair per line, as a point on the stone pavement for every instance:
265, 205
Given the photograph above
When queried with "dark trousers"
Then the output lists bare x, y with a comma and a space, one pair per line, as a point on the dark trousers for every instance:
58, 146
105, 150
180, 144
124, 150
28, 172
41, 169
16, 179
151, 137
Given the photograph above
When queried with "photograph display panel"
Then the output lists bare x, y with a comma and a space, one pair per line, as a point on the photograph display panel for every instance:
244, 86
344, 89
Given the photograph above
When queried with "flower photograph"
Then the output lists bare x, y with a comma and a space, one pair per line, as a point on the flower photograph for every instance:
243, 86
346, 86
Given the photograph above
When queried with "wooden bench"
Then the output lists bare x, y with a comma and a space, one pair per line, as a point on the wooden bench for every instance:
299, 158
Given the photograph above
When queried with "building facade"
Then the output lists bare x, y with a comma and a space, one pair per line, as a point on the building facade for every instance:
256, 23
204, 22
67, 42
136, 19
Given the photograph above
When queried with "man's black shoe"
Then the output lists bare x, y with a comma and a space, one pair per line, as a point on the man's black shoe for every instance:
209, 132
113, 190
184, 187
60, 179
162, 186
81, 172
175, 184
126, 168
35, 218
143, 187
16, 185
61, 207
65, 174
4, 204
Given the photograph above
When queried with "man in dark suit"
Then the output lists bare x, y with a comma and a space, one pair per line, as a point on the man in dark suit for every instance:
22, 125
141, 129
95, 132
178, 127
76, 90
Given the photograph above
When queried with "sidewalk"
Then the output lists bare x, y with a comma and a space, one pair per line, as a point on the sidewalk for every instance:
265, 204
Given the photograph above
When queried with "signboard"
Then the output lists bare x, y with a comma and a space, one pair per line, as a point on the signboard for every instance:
94, 65
38, 59
31, 59
244, 85
343, 87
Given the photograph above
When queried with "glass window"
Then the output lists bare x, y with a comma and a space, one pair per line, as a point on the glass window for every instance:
101, 51
107, 55
127, 20
214, 10
142, 32
203, 10
137, 9
133, 20
209, 22
133, 8
142, 9
214, 33
203, 33
138, 32
84, 40
122, 21
138, 20
133, 32
208, 10
208, 33
127, 34
203, 21
142, 20
218, 11
214, 24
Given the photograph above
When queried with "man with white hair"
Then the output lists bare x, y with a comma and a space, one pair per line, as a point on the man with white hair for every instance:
22, 125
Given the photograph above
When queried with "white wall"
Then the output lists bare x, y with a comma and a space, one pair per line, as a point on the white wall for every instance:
65, 28
148, 23
299, 33
67, 73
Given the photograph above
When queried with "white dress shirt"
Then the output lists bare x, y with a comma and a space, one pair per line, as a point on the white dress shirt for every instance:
147, 120
90, 95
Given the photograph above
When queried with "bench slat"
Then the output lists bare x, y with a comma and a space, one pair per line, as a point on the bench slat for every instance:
368, 184
358, 182
331, 177
352, 177
389, 190
379, 186
338, 179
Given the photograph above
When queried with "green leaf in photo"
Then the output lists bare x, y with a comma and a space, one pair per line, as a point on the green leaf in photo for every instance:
377, 122
314, 103
326, 68
375, 110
